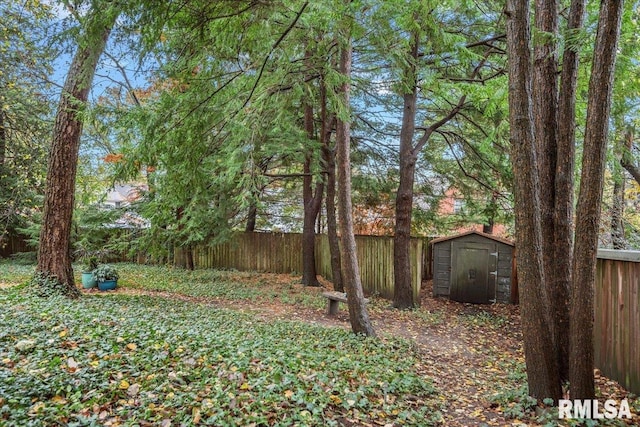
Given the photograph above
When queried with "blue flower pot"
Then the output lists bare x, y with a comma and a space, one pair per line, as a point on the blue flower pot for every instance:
88, 281
107, 285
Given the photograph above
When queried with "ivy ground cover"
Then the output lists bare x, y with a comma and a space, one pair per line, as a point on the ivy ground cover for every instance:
120, 359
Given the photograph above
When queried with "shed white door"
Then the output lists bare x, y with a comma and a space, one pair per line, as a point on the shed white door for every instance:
473, 277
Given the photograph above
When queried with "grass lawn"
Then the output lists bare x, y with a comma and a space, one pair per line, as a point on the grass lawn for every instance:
123, 359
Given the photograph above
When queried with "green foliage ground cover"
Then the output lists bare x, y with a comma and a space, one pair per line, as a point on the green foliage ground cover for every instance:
232, 285
119, 359
15, 272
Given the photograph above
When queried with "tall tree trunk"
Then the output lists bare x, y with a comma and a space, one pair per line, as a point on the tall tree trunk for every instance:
545, 113
312, 200
559, 281
332, 227
403, 295
54, 250
358, 314
403, 290
590, 199
329, 157
3, 155
541, 363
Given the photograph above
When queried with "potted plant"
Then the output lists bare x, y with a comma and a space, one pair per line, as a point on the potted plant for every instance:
89, 265
107, 277
90, 256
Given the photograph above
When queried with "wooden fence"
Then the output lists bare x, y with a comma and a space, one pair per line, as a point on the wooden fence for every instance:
617, 291
10, 245
617, 317
375, 259
282, 253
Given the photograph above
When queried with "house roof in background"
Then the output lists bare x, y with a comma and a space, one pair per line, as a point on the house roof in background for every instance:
124, 192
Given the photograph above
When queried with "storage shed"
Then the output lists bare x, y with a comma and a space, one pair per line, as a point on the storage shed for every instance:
473, 267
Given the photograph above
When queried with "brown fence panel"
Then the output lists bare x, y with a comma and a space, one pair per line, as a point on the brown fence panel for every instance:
10, 245
375, 259
427, 260
617, 321
282, 253
268, 252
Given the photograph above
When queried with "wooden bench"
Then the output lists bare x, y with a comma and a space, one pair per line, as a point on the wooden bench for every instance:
335, 298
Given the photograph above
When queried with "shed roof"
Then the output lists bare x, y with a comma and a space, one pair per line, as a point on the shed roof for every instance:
488, 236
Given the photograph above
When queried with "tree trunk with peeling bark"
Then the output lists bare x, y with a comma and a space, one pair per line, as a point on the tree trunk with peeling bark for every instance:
403, 294
617, 205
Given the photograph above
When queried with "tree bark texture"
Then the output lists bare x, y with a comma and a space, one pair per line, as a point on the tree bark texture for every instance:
358, 314
312, 199
541, 363
403, 297
54, 250
545, 113
633, 170
559, 282
590, 199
